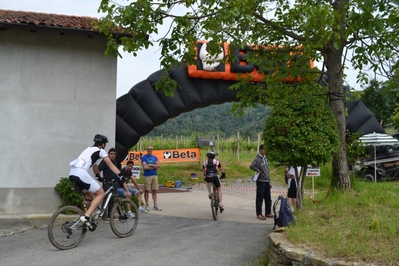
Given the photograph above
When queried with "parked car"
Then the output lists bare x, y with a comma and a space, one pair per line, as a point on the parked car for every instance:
387, 163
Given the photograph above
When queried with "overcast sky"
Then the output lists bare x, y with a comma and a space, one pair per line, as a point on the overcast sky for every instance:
131, 70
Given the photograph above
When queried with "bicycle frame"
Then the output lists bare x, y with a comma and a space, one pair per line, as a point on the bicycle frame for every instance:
66, 231
108, 195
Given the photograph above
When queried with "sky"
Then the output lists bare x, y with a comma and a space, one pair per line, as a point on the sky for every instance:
131, 70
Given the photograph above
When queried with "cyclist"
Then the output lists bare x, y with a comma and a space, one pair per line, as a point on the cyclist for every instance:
79, 173
210, 171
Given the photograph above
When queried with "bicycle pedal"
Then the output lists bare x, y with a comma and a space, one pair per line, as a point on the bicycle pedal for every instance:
93, 227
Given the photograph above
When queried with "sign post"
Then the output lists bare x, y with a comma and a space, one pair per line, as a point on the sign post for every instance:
313, 171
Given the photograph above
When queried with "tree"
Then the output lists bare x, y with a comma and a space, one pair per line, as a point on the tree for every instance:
380, 98
282, 31
302, 131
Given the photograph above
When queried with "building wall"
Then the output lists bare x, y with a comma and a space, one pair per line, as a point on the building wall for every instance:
56, 92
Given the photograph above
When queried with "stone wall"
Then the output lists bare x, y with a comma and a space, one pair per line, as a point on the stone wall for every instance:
282, 252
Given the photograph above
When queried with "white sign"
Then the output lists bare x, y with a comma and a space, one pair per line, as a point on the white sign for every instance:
313, 171
136, 171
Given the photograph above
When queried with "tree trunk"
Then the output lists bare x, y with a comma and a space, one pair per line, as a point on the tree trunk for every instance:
340, 170
301, 186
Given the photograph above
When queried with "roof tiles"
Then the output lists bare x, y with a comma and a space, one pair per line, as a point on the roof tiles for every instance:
46, 19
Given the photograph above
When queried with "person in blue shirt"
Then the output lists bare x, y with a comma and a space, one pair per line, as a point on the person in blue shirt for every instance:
150, 167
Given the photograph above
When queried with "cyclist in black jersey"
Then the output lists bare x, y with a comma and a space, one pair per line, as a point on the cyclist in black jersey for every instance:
79, 173
210, 170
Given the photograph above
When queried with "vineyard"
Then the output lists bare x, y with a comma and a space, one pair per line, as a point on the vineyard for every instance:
235, 145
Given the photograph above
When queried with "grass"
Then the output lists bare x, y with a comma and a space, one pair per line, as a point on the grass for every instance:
361, 225
234, 169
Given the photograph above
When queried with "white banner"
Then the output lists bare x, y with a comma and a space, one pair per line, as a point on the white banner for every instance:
313, 171
136, 171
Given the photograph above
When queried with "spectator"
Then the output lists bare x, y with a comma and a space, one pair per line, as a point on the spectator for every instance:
150, 167
293, 185
127, 172
108, 174
263, 184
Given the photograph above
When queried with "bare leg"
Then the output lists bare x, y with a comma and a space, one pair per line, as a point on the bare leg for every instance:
99, 195
293, 200
146, 196
88, 199
219, 190
154, 197
138, 199
208, 186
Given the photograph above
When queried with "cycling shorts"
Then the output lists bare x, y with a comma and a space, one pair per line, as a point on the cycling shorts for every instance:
84, 176
215, 179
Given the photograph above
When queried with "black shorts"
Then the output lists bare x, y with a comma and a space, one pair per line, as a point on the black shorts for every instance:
292, 193
215, 179
292, 190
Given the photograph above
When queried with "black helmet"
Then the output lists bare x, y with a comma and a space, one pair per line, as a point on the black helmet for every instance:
100, 138
211, 155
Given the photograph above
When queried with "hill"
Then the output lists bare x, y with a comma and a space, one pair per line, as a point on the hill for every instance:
215, 119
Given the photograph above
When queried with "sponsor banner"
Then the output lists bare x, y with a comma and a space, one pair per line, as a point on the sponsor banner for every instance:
213, 66
313, 171
167, 156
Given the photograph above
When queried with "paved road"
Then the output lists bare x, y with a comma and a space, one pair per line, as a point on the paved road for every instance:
183, 233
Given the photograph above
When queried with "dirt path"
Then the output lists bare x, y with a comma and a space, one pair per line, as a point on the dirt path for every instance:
238, 199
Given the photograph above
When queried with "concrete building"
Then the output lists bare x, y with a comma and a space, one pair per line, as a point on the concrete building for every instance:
57, 90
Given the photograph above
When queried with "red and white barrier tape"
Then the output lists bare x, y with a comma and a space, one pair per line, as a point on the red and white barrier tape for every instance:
254, 189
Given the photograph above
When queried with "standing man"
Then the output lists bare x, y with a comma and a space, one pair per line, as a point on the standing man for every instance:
263, 185
108, 175
150, 166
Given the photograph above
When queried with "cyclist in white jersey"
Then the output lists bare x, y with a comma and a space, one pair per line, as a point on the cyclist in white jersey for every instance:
79, 173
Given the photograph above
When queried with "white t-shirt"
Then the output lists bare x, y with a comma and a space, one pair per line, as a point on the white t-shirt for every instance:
88, 157
292, 172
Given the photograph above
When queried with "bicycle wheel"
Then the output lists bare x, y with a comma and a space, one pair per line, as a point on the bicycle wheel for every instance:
124, 226
214, 205
65, 230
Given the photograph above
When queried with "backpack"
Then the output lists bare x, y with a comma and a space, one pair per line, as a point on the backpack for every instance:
211, 168
284, 216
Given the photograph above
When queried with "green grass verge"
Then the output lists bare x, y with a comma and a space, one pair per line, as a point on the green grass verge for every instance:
361, 225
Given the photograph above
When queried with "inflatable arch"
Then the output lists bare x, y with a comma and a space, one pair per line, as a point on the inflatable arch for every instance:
143, 107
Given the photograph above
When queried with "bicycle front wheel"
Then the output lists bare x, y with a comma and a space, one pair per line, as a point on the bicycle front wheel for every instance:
214, 205
124, 225
65, 230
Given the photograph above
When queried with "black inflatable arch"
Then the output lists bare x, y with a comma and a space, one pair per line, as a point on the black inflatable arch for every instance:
143, 107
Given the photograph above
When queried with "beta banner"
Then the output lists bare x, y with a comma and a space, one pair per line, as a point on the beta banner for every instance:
167, 156
210, 67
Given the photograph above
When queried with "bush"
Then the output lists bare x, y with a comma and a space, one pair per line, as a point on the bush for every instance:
68, 196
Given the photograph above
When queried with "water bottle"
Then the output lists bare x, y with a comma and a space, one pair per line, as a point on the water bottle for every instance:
97, 213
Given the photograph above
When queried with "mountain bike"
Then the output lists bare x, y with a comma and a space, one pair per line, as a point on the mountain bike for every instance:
66, 231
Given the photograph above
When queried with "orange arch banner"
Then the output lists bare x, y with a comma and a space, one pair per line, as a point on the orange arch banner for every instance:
167, 156
209, 67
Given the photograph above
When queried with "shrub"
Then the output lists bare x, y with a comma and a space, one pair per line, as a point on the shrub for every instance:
68, 196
